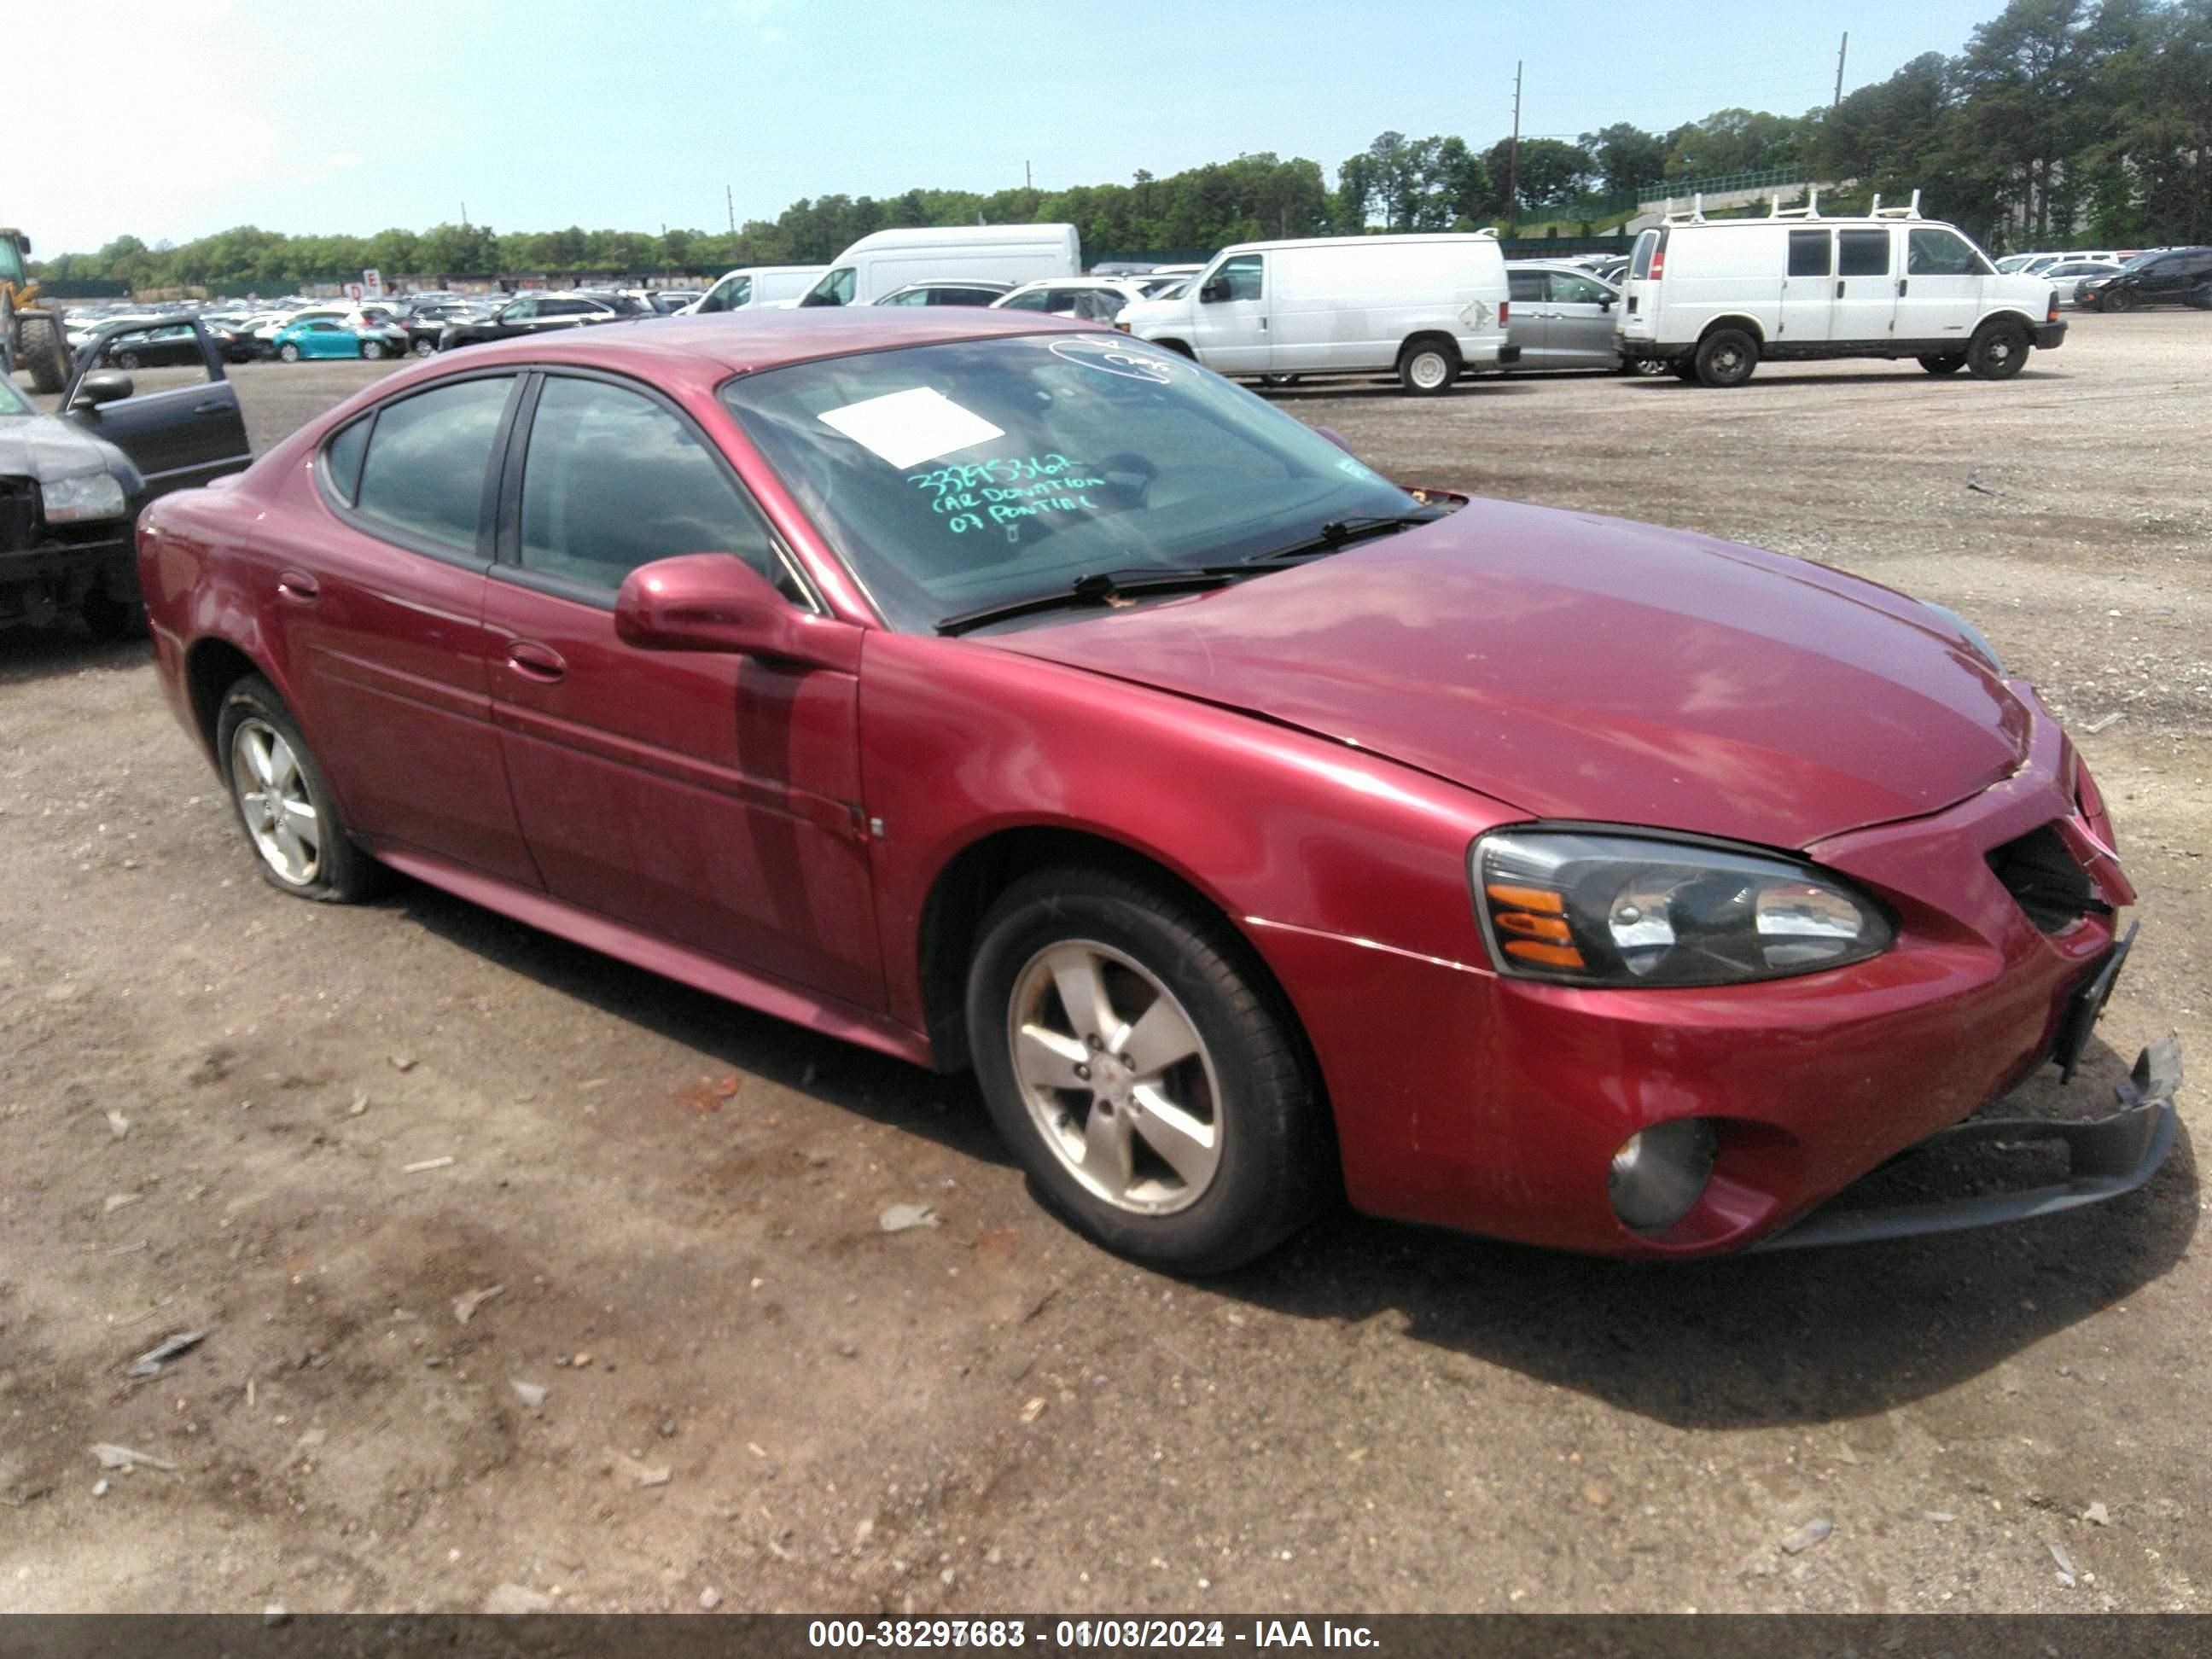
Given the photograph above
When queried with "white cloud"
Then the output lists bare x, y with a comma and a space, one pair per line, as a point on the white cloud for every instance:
344, 158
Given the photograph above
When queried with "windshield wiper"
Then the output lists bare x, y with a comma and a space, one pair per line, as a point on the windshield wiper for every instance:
1093, 587
1342, 533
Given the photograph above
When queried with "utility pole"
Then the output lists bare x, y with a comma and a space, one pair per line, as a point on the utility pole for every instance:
1840, 50
730, 202
1513, 154
464, 215
1029, 178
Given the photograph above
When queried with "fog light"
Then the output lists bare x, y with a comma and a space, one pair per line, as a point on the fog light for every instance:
1659, 1173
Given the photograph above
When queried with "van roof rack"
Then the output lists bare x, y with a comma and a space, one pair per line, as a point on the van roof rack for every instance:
1696, 216
1810, 210
1878, 211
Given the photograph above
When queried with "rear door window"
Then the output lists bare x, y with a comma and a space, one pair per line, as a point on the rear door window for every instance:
1570, 289
1863, 253
1809, 253
1033, 301
424, 472
1639, 260
1526, 287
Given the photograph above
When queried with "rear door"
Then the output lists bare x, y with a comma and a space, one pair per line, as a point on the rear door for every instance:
713, 801
1808, 282
382, 619
1939, 297
183, 429
1229, 327
1530, 323
1866, 290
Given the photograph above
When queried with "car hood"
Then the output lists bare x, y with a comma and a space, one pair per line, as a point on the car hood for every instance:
46, 446
1575, 667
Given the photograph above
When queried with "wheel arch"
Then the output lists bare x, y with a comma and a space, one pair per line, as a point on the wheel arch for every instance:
1733, 320
2012, 315
212, 666
970, 881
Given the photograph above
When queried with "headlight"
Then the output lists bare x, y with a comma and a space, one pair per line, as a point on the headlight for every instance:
1605, 908
72, 500
1974, 636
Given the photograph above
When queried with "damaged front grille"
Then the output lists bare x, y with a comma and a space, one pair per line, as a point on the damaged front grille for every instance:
19, 514
2044, 880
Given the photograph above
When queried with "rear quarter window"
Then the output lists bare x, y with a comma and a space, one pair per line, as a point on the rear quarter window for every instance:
341, 457
423, 475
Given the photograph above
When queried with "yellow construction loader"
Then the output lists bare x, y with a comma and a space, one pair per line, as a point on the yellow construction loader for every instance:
30, 333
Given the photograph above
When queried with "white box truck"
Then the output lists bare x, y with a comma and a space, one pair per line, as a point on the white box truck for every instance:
888, 259
1425, 307
1711, 299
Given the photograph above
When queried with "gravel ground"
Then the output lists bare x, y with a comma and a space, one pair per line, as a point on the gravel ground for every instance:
398, 1161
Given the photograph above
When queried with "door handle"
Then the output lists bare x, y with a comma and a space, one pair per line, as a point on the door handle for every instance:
1901, 288
536, 662
1839, 290
212, 406
298, 586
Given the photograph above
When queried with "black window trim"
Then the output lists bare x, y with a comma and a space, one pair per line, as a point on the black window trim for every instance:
506, 502
394, 535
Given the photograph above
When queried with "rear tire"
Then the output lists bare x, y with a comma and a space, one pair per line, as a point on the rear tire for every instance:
1162, 976
1279, 379
1428, 365
1944, 362
291, 820
1998, 351
43, 348
425, 348
109, 619
1726, 357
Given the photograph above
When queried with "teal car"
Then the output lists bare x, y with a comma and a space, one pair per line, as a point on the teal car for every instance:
322, 337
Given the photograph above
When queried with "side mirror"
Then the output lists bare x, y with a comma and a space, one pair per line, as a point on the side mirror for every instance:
108, 386
1215, 291
1605, 302
717, 602
1334, 437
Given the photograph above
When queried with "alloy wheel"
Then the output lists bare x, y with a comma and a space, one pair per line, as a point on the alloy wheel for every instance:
1116, 1077
280, 814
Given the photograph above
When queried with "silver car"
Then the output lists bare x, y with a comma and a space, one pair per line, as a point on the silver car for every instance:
1562, 316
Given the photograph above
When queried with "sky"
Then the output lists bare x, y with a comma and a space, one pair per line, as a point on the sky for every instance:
609, 114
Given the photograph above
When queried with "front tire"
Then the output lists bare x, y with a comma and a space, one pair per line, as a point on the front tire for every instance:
44, 349
2116, 300
1650, 367
1427, 368
372, 351
424, 348
128, 360
1945, 363
1998, 351
287, 352
1136, 1059
290, 819
1726, 357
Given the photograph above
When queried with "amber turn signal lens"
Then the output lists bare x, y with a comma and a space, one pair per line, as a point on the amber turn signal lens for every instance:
1550, 927
1527, 899
1552, 955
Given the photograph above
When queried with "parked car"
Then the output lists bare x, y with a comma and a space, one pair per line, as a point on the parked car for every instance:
133, 346
1529, 919
1563, 317
71, 484
2181, 276
1428, 307
664, 301
1093, 299
964, 291
752, 286
538, 314
326, 336
996, 254
426, 323
2066, 279
1711, 299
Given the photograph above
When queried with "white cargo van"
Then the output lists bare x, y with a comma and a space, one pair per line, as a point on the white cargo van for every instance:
1426, 307
755, 288
1712, 298
888, 259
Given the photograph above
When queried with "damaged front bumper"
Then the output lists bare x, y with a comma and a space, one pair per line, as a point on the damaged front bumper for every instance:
2106, 1156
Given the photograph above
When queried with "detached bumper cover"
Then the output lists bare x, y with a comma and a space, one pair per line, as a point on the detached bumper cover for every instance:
2107, 1156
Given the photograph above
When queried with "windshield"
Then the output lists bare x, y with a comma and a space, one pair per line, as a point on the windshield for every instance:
961, 477
2143, 260
835, 290
11, 401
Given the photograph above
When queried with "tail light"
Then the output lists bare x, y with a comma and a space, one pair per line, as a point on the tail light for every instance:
1658, 260
1505, 313
2051, 315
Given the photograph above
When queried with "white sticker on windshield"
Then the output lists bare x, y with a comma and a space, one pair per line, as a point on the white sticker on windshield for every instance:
908, 428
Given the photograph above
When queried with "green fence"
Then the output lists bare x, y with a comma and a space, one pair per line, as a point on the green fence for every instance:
1681, 190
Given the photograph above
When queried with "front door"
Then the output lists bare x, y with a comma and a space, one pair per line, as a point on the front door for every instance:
711, 800
1580, 332
1230, 330
382, 624
1808, 290
177, 437
1866, 291
1939, 298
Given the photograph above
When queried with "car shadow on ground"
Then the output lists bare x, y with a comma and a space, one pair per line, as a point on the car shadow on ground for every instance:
1385, 391
1892, 374
38, 653
945, 1109
1802, 1337
1791, 1337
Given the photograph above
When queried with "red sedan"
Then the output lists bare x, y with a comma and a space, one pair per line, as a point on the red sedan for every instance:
1014, 696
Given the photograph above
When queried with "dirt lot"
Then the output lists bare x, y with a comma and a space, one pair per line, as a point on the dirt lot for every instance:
211, 1097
